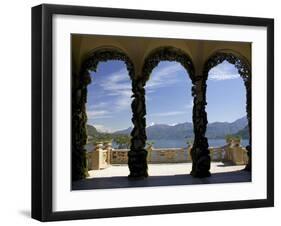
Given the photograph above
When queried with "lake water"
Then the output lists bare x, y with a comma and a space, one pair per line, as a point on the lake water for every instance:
182, 143
176, 143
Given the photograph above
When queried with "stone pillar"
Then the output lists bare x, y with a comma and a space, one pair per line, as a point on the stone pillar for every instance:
99, 157
79, 130
137, 156
200, 153
149, 150
108, 148
249, 113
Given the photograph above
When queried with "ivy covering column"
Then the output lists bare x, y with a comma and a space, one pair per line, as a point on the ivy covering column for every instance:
79, 131
249, 113
137, 155
200, 153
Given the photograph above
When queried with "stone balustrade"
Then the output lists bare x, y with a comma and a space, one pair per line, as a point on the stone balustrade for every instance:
103, 155
98, 158
158, 155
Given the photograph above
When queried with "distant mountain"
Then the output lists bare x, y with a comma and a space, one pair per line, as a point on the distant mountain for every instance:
92, 131
162, 131
125, 131
215, 130
221, 129
244, 133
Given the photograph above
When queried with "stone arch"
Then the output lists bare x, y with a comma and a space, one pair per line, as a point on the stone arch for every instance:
79, 99
103, 54
244, 69
167, 53
138, 155
232, 56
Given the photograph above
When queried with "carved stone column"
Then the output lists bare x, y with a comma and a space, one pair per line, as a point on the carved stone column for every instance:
246, 74
200, 153
249, 113
137, 155
79, 130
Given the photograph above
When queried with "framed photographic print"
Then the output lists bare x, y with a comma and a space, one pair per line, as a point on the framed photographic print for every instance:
146, 112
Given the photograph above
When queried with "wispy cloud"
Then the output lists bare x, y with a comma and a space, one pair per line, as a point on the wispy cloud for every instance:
163, 77
168, 113
223, 76
98, 114
114, 95
223, 71
118, 85
116, 82
183, 110
189, 105
123, 102
96, 106
102, 128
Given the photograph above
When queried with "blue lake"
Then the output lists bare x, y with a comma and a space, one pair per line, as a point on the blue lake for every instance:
176, 143
182, 143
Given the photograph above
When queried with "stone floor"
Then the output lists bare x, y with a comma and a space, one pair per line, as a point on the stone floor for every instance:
162, 169
161, 175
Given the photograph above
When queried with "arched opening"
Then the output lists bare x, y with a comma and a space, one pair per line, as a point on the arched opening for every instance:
169, 128
87, 108
108, 118
229, 109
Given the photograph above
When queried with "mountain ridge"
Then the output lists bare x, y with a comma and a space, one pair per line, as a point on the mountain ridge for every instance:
215, 130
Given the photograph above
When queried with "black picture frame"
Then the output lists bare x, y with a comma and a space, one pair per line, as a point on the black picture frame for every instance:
42, 107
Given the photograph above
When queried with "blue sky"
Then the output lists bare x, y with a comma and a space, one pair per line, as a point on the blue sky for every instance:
168, 95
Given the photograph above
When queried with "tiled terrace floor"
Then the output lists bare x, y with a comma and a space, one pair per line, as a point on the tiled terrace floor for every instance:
161, 175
